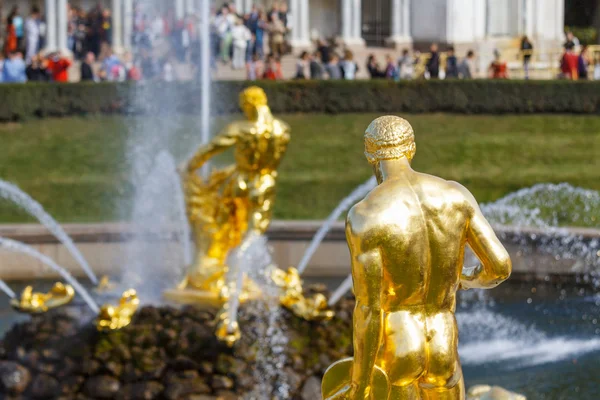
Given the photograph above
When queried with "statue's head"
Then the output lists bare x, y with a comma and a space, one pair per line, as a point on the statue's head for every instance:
389, 138
251, 99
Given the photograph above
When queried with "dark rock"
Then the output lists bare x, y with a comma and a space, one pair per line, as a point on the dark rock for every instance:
182, 363
207, 368
71, 384
14, 377
221, 382
51, 355
293, 379
44, 386
90, 367
141, 391
101, 387
311, 389
114, 368
227, 395
180, 388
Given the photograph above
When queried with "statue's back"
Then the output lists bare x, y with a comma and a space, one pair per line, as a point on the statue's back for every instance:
418, 224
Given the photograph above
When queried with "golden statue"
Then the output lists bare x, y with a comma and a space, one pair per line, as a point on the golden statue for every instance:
112, 318
233, 202
35, 303
407, 241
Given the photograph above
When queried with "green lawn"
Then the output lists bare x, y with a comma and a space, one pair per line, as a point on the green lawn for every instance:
78, 169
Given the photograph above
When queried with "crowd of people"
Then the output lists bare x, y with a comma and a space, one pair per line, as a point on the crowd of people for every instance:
255, 41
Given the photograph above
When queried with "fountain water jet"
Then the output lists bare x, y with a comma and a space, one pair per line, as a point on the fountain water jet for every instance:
18, 247
4, 287
12, 193
358, 194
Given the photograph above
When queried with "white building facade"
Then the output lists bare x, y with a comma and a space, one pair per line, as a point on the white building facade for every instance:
399, 23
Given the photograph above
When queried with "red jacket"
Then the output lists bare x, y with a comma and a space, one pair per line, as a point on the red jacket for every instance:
569, 65
59, 69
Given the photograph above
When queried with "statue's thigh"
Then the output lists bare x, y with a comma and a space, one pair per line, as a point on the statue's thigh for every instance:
263, 191
403, 356
443, 366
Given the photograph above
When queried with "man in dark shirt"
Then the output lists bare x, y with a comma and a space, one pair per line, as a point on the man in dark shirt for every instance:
87, 72
433, 64
451, 64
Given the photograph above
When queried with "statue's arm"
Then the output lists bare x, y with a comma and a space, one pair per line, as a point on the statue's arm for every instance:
368, 316
225, 139
495, 265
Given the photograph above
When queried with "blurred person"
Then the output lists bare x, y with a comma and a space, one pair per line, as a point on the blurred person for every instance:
597, 69
373, 68
276, 35
251, 47
451, 64
13, 70
58, 65
261, 29
32, 34
406, 67
133, 73
390, 68
569, 63
253, 18
87, 68
433, 64
333, 69
316, 66
283, 17
272, 70
79, 49
527, 52
241, 36
349, 66
72, 23
572, 41
168, 72
1, 67
148, 65
583, 63
253, 68
19, 25
323, 48
466, 69
498, 68
10, 40
223, 23
274, 11
302, 65
106, 33
110, 61
37, 70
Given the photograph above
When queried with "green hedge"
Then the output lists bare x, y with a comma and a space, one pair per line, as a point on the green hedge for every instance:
18, 102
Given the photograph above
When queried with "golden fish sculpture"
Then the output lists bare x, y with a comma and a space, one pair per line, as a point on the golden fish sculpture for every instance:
407, 241
36, 303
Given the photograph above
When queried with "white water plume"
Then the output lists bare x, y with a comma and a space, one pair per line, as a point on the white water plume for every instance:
18, 247
4, 287
12, 193
357, 194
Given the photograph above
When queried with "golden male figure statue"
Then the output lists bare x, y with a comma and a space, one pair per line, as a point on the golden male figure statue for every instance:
237, 200
407, 242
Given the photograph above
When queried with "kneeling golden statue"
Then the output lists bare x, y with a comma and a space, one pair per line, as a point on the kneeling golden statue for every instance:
407, 240
234, 201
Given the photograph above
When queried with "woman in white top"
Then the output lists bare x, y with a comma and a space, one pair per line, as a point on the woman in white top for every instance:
349, 67
240, 35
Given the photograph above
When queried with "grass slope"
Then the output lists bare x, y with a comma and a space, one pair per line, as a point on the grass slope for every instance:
78, 169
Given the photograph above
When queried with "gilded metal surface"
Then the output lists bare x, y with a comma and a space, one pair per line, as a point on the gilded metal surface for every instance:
309, 308
236, 200
407, 240
112, 318
35, 303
